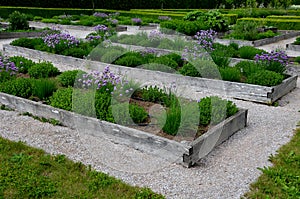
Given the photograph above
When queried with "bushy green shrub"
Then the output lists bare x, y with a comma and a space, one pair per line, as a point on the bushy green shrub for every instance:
62, 98
43, 88
18, 21
248, 67
166, 61
267, 34
43, 70
189, 70
21, 87
27, 42
230, 74
248, 52
297, 59
186, 27
125, 113
193, 15
297, 42
175, 57
216, 21
131, 59
22, 63
245, 30
37, 18
226, 51
214, 110
220, 58
153, 94
76, 52
67, 78
265, 78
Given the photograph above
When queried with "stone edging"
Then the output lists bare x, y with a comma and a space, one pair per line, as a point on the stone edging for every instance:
256, 93
170, 150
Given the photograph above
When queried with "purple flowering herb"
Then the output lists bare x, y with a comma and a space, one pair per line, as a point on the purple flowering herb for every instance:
57, 39
100, 14
204, 43
155, 35
7, 68
100, 79
274, 56
137, 21
100, 28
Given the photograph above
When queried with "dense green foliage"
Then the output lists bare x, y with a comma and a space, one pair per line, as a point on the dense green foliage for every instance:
18, 21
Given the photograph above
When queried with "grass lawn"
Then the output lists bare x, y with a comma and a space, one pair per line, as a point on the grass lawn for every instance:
26, 172
282, 180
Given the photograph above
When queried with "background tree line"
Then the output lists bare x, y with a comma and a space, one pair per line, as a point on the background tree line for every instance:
149, 4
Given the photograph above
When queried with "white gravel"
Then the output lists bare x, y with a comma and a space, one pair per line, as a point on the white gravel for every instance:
225, 173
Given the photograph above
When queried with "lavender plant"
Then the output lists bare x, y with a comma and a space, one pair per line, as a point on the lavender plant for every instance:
58, 42
155, 35
98, 80
205, 39
204, 44
136, 21
100, 14
101, 34
8, 69
274, 61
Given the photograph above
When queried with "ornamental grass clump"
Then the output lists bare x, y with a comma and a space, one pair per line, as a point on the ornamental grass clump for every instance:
274, 61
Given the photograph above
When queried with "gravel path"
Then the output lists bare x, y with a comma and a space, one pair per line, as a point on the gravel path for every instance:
225, 173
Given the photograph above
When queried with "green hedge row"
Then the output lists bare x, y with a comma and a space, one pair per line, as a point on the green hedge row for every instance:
112, 4
259, 12
43, 12
50, 12
283, 17
281, 24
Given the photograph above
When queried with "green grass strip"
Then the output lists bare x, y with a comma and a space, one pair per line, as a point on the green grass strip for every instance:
26, 172
283, 179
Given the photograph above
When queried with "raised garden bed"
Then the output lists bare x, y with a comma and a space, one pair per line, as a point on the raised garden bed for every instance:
186, 153
284, 35
186, 84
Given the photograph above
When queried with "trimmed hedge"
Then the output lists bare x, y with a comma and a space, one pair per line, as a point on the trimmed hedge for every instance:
281, 24
283, 17
112, 4
51, 12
